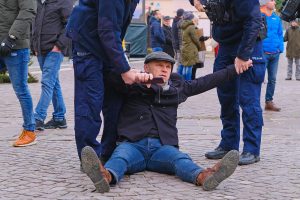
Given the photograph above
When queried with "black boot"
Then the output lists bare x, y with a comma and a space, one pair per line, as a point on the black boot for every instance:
247, 158
218, 153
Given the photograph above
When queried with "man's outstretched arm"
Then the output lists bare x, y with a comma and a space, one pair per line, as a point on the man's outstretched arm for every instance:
209, 81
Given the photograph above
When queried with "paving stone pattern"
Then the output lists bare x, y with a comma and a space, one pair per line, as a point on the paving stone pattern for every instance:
50, 169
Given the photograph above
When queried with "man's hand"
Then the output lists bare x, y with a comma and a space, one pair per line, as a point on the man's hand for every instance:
242, 65
133, 76
198, 6
7, 46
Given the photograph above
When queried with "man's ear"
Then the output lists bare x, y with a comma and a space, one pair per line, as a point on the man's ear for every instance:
146, 68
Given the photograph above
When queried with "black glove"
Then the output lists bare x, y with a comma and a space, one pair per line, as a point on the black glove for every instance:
6, 46
203, 38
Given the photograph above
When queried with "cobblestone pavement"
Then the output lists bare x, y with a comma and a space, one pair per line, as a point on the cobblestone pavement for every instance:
50, 169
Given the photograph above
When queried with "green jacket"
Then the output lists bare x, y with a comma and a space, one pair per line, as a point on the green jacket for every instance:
190, 44
15, 19
292, 36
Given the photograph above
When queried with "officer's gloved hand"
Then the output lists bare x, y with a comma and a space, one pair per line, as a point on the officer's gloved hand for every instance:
203, 38
7, 46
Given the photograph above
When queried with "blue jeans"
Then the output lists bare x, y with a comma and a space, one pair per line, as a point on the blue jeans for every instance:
150, 154
272, 68
180, 70
187, 72
156, 49
243, 91
51, 90
17, 66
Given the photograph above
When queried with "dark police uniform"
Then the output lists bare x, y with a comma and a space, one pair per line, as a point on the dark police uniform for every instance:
97, 28
239, 38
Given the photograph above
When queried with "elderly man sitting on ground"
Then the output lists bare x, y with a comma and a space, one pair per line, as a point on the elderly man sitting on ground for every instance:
148, 137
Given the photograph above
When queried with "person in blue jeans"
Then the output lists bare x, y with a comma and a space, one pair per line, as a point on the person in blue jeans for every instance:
97, 29
49, 44
148, 137
15, 21
272, 47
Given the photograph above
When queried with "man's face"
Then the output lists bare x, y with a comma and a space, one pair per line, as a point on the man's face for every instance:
158, 15
167, 22
293, 23
159, 68
271, 4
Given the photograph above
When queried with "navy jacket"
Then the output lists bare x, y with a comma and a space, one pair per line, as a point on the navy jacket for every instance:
168, 46
100, 26
147, 107
175, 36
157, 35
244, 28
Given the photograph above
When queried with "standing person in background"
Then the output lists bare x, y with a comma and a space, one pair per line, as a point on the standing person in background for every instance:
15, 20
175, 36
168, 46
202, 39
237, 31
97, 29
190, 44
50, 44
180, 66
292, 37
157, 34
272, 47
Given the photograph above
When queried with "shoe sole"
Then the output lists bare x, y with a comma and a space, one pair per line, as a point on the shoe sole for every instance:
56, 127
39, 129
90, 165
227, 166
25, 145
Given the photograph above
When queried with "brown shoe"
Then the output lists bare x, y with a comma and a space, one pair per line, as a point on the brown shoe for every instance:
26, 138
210, 178
93, 167
271, 106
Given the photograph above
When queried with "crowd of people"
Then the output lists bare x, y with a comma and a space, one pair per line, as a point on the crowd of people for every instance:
183, 40
140, 108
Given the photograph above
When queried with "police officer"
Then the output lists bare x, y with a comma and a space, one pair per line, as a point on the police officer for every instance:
237, 30
97, 28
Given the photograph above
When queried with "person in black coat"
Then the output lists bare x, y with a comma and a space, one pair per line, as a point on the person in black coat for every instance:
50, 44
168, 46
147, 129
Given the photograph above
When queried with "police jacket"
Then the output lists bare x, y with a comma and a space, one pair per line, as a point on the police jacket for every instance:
100, 26
157, 34
243, 28
15, 19
147, 107
49, 25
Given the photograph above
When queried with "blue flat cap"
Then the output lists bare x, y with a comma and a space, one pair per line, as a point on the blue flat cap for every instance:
161, 56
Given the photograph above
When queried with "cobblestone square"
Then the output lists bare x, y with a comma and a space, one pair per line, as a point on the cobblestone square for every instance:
50, 169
